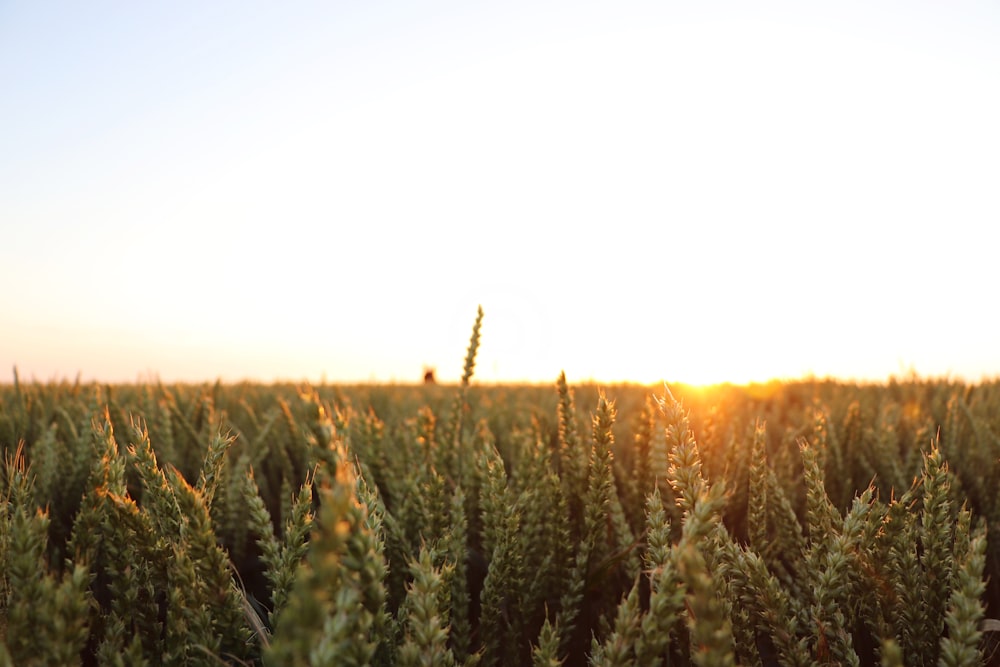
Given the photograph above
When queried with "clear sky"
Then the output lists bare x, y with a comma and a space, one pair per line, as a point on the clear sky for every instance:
690, 191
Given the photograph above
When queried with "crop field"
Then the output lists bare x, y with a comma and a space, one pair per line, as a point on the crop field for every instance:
797, 523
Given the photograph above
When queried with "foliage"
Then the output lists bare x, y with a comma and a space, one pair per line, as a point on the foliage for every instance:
797, 523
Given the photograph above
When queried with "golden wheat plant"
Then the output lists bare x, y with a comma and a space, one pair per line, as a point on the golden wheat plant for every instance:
801, 523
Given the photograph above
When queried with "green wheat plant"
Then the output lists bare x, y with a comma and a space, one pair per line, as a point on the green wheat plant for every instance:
797, 523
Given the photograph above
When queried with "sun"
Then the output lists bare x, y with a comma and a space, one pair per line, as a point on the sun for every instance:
687, 371
703, 363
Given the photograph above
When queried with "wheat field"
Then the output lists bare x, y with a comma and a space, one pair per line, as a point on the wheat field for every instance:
797, 523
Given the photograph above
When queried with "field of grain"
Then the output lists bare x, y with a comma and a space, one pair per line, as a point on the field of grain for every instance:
799, 523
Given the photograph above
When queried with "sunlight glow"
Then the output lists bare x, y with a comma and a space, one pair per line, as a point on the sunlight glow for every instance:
652, 193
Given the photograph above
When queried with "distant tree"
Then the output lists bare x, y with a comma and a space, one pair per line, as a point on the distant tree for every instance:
429, 376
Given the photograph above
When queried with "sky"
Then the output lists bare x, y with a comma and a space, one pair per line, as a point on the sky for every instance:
633, 191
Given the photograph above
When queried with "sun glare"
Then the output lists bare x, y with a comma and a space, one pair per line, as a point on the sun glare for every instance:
689, 372
665, 191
